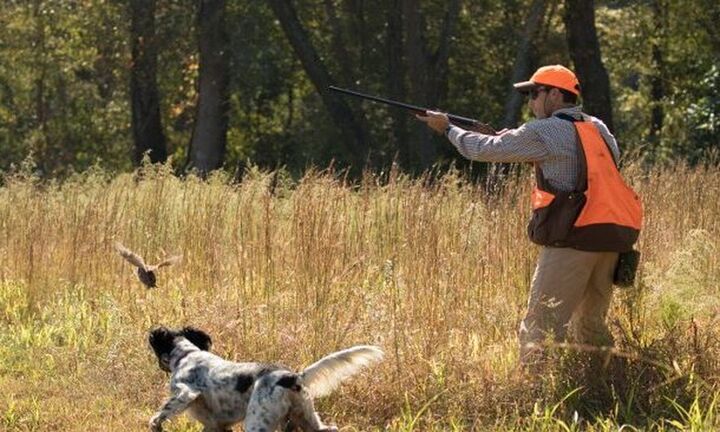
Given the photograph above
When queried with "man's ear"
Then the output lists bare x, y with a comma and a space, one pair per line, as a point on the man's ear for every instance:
197, 337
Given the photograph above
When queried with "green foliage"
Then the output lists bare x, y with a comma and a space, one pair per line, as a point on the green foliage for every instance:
688, 41
64, 77
696, 417
704, 116
63, 95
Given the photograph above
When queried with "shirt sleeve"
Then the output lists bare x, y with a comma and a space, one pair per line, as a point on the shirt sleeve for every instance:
515, 145
608, 137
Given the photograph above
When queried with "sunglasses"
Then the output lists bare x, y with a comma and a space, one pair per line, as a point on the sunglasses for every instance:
534, 93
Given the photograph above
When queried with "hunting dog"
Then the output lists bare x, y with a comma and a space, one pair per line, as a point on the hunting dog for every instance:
220, 393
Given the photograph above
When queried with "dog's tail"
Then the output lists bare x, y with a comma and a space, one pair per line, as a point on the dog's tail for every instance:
325, 375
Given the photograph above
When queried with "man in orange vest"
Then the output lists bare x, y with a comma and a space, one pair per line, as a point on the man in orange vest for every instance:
576, 217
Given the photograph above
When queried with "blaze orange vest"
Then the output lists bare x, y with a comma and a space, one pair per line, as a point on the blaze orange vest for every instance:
601, 214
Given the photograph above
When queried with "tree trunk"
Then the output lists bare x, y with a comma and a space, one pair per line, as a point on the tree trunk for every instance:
352, 133
339, 44
523, 62
148, 135
395, 81
209, 138
420, 145
427, 72
40, 98
355, 9
657, 89
440, 58
585, 54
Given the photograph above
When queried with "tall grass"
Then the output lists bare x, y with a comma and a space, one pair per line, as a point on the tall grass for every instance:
435, 270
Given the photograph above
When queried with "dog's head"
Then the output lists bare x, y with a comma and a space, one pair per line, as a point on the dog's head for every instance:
163, 340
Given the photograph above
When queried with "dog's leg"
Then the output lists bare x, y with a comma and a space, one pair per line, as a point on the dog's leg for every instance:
303, 414
268, 406
175, 405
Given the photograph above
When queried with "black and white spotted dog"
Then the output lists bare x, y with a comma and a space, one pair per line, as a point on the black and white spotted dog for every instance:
220, 393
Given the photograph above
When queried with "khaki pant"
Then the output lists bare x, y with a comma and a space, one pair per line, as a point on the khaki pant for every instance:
570, 293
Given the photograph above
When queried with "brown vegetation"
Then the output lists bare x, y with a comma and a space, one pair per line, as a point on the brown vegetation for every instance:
436, 272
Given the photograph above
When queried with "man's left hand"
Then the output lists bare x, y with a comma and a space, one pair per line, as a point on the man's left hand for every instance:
436, 121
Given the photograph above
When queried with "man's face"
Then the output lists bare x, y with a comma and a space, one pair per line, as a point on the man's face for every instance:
537, 101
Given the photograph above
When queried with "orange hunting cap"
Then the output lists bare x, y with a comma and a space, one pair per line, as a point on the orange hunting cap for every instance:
553, 76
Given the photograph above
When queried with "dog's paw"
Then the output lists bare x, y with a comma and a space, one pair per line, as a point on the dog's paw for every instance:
155, 424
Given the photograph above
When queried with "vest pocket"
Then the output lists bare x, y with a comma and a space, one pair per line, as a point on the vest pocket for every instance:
551, 225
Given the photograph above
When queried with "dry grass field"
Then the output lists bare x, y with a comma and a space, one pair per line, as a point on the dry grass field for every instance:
435, 272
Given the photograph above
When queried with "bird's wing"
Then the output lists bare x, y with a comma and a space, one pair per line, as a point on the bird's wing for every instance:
169, 261
129, 255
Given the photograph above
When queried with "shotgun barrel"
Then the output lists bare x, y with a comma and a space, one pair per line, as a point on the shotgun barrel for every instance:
455, 119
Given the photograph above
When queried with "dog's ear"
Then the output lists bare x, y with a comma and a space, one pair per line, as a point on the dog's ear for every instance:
161, 340
197, 337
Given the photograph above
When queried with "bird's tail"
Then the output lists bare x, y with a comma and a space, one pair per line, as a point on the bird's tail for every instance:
325, 375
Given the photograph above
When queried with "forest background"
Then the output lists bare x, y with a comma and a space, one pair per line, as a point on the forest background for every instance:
211, 84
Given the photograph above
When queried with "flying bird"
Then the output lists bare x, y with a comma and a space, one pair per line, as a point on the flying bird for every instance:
145, 273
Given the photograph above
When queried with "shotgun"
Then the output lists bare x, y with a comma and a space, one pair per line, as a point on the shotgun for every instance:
455, 119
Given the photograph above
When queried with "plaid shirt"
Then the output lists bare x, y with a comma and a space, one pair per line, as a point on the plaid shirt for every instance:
550, 142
